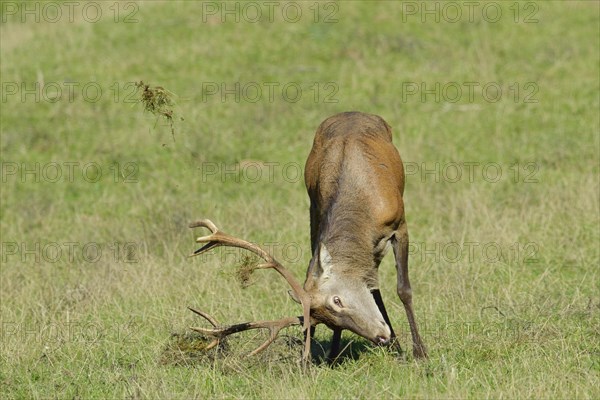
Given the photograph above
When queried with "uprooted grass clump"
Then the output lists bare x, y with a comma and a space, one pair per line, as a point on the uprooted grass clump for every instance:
191, 348
159, 102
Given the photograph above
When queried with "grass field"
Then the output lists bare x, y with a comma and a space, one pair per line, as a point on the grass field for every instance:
495, 114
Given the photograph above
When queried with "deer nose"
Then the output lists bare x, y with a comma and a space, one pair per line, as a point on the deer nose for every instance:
384, 337
381, 341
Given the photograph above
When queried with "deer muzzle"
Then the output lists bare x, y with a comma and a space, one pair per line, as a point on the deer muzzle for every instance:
381, 335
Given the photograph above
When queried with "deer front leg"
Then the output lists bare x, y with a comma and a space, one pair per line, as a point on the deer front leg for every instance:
379, 301
334, 351
400, 245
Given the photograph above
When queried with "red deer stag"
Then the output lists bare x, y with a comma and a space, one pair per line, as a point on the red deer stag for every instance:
355, 181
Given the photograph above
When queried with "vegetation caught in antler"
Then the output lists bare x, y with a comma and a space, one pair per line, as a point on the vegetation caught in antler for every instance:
245, 270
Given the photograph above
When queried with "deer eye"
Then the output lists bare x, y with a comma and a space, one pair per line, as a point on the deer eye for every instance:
337, 301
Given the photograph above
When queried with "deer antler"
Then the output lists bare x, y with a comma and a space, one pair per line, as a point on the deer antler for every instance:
219, 333
219, 238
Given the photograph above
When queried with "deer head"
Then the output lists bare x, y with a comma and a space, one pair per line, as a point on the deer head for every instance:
342, 301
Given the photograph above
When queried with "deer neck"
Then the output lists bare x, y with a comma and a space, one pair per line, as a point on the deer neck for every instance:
346, 234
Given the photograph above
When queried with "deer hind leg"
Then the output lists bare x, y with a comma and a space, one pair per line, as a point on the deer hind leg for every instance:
400, 245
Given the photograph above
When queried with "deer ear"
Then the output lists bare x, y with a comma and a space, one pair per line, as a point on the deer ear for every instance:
320, 266
325, 262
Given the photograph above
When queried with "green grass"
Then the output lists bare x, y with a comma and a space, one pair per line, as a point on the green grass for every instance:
495, 328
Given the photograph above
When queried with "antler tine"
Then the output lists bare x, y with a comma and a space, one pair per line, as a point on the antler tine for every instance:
207, 223
206, 316
219, 238
274, 328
